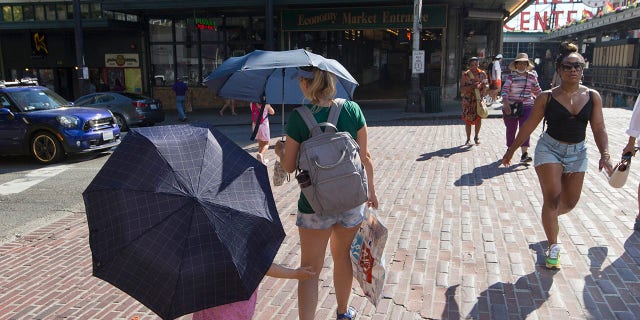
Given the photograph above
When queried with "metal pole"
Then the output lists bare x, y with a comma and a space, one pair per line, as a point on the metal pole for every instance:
77, 21
268, 25
414, 98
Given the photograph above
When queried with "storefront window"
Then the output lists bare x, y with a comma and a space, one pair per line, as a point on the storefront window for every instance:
212, 56
257, 29
187, 58
210, 29
237, 28
40, 16
96, 10
6, 13
84, 9
186, 31
200, 45
160, 30
46, 78
17, 13
27, 13
162, 64
61, 11
51, 12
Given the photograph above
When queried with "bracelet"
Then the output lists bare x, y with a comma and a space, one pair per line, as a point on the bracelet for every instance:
605, 156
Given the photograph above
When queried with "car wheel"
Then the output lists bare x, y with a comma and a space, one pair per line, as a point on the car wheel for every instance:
46, 148
122, 123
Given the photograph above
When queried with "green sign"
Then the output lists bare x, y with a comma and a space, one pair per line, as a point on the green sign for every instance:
433, 16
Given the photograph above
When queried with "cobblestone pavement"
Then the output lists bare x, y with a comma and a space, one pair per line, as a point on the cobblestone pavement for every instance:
465, 241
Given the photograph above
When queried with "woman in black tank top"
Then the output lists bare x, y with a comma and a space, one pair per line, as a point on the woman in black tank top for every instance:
560, 157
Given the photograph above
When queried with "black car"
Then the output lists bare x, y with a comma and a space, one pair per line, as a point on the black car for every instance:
130, 109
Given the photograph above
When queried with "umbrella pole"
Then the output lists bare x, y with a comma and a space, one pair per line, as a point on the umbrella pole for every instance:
259, 122
282, 128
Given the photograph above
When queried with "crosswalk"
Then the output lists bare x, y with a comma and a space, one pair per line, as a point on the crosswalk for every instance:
31, 179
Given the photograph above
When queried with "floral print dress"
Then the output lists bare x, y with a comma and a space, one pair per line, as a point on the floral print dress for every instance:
469, 100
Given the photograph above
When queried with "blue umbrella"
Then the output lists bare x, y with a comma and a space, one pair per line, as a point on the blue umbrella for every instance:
182, 219
268, 76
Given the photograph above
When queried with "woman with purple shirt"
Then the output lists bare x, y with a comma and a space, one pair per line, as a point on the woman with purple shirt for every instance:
520, 89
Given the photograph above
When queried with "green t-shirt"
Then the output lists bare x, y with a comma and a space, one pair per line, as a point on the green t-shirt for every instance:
350, 120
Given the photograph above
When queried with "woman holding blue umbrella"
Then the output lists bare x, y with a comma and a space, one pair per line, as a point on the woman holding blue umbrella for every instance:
315, 230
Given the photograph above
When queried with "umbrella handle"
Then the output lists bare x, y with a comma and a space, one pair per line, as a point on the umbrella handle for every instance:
329, 166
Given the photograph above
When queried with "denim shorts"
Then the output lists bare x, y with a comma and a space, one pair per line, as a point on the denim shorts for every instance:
348, 219
572, 157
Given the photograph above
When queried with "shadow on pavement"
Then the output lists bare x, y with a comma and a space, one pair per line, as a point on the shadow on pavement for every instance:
444, 153
601, 284
495, 301
487, 171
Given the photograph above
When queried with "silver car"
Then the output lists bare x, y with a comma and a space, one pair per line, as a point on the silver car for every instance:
129, 109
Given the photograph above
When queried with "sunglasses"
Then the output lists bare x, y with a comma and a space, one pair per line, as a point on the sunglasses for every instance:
566, 67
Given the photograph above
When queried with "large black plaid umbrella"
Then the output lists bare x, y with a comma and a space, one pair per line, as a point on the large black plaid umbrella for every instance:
182, 219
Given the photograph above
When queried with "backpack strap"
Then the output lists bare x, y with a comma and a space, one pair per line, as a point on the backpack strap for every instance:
334, 112
309, 120
332, 119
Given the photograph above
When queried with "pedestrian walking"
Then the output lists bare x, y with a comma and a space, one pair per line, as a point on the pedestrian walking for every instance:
561, 155
315, 230
495, 76
473, 88
180, 88
229, 103
634, 131
518, 94
244, 310
264, 134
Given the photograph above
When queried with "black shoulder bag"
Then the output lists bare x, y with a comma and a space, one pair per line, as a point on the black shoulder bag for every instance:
517, 109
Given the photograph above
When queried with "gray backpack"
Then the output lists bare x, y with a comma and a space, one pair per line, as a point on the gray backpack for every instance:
338, 181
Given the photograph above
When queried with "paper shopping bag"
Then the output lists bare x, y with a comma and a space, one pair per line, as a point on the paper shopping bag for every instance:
367, 257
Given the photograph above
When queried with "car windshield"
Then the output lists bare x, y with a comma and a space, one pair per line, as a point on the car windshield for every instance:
34, 100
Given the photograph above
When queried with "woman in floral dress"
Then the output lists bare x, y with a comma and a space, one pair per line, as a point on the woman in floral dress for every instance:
472, 79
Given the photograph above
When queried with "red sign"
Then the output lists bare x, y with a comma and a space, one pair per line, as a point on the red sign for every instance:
548, 14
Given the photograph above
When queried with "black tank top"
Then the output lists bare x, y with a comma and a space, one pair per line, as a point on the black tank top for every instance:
564, 126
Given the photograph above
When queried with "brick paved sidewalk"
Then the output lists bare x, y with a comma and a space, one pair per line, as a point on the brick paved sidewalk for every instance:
465, 240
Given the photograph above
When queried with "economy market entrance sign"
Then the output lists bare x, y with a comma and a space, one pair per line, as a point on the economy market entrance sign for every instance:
397, 17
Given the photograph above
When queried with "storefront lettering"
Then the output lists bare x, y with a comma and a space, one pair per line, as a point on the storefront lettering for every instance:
541, 17
121, 60
388, 17
317, 19
359, 18
433, 16
203, 23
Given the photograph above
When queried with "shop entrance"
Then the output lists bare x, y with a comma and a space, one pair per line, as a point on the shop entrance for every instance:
378, 58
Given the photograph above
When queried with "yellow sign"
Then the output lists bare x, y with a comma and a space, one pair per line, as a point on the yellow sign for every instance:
123, 60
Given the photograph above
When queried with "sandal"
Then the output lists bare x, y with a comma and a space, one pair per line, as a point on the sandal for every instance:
468, 142
476, 140
636, 226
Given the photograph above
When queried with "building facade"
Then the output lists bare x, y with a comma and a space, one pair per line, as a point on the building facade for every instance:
146, 45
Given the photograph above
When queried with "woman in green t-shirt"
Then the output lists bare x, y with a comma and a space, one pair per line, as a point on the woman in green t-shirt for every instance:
315, 230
